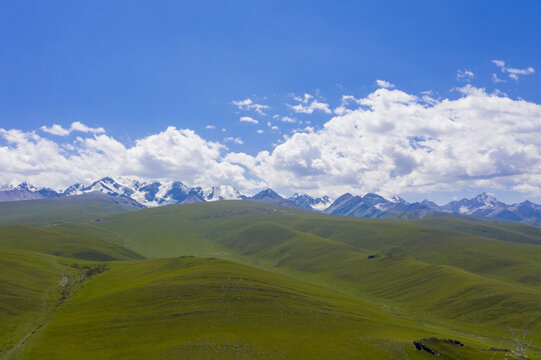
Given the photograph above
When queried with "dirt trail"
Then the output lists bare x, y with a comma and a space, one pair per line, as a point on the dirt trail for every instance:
66, 287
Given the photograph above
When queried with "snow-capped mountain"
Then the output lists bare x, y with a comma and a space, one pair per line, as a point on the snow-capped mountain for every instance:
25, 191
269, 196
221, 192
148, 194
373, 205
156, 193
308, 202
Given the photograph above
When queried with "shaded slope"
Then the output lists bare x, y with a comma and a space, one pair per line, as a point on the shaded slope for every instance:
54, 242
59, 210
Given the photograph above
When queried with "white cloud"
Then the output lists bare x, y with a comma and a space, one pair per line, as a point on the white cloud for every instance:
75, 126
384, 84
210, 127
389, 142
259, 131
174, 153
55, 130
396, 143
236, 140
308, 104
248, 104
465, 74
344, 103
248, 119
288, 119
513, 73
496, 79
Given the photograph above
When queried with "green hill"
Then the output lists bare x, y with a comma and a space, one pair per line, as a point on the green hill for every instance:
350, 287
86, 207
50, 241
193, 308
30, 287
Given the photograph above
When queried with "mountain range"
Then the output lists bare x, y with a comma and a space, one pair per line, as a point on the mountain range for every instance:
155, 193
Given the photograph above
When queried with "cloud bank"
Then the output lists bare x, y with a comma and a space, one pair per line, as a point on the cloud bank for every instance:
389, 142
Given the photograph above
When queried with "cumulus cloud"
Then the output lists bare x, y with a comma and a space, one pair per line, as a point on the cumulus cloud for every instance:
465, 74
389, 142
259, 131
75, 126
248, 104
173, 154
513, 73
210, 127
308, 104
384, 84
396, 143
344, 104
55, 130
248, 119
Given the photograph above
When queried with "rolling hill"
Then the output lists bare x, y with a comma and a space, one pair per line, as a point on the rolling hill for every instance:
66, 209
273, 282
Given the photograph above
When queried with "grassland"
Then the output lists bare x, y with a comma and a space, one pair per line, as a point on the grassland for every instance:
193, 308
60, 210
271, 282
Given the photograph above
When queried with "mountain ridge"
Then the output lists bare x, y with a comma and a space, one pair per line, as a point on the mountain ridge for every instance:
155, 193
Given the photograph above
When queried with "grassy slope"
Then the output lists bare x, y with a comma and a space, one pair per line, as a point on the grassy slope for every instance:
59, 210
49, 241
507, 232
29, 288
193, 308
497, 281
444, 279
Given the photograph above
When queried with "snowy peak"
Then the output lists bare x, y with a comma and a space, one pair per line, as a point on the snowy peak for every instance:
485, 204
26, 187
156, 193
146, 193
221, 192
309, 202
481, 205
25, 191
159, 193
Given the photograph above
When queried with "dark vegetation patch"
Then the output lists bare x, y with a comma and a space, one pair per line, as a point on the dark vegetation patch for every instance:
93, 255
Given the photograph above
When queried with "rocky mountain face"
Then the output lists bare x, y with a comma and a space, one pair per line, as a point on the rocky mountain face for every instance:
148, 194
373, 205
25, 191
155, 193
308, 202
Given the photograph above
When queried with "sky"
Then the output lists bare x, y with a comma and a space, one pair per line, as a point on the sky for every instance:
421, 99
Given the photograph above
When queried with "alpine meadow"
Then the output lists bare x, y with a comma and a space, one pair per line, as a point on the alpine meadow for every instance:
235, 180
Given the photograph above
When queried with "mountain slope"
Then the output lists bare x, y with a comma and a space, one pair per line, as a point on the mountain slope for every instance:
86, 207
194, 308
420, 271
365, 286
160, 193
29, 289
69, 245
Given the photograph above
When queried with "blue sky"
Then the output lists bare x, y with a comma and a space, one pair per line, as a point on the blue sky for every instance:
136, 68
